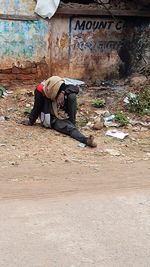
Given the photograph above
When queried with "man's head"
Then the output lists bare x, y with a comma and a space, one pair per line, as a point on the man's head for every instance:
52, 86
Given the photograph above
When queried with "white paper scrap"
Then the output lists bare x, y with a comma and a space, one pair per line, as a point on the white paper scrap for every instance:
116, 134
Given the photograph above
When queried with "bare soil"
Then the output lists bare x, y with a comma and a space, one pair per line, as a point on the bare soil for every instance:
38, 162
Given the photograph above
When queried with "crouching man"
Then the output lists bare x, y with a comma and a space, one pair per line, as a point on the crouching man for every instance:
53, 101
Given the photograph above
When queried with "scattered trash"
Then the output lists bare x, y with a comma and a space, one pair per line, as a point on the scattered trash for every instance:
4, 92
111, 124
117, 120
46, 8
129, 97
4, 118
144, 124
117, 134
82, 145
110, 121
109, 118
139, 103
73, 82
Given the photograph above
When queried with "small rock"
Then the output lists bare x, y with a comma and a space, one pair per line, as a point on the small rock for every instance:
67, 161
98, 125
28, 105
138, 80
112, 152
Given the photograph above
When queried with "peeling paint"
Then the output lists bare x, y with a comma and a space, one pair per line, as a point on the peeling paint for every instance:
20, 40
17, 7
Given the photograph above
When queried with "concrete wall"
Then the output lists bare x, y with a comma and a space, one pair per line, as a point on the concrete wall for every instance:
24, 49
79, 47
17, 7
85, 47
23, 40
138, 43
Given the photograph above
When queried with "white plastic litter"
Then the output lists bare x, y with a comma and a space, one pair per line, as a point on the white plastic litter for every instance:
116, 134
46, 8
130, 96
73, 81
109, 118
82, 145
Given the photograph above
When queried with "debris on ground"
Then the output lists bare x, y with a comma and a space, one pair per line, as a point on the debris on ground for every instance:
3, 91
137, 80
112, 152
140, 102
82, 145
117, 134
98, 124
4, 118
74, 82
136, 122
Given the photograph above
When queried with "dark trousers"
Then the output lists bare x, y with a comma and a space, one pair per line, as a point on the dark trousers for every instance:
70, 107
67, 127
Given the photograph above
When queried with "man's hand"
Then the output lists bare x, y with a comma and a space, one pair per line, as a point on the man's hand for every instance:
60, 99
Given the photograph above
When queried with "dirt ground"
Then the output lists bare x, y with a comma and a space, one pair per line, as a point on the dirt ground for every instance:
39, 164
29, 153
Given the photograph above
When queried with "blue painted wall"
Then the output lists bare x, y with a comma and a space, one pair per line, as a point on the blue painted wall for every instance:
20, 40
23, 39
17, 7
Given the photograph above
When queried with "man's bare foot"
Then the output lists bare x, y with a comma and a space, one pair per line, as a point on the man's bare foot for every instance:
90, 141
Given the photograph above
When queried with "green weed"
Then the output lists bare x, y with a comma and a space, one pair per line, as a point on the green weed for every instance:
98, 103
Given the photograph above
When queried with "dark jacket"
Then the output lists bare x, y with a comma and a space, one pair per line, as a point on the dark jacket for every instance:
43, 104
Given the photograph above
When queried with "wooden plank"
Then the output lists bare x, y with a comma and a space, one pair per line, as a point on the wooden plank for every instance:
102, 12
81, 12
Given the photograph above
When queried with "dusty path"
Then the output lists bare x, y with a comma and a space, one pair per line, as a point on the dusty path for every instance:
28, 180
66, 206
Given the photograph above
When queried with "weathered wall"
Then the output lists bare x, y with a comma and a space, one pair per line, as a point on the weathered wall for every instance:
78, 47
135, 49
17, 7
24, 43
85, 47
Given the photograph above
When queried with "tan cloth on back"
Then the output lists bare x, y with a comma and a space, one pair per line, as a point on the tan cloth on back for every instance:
51, 89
